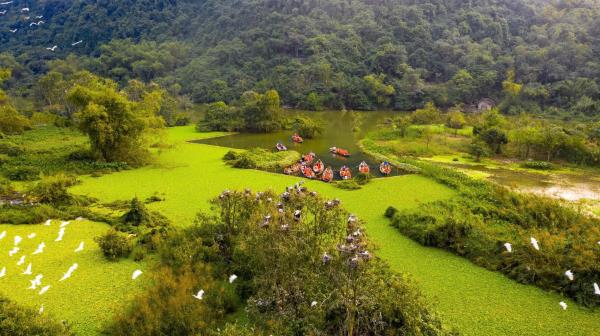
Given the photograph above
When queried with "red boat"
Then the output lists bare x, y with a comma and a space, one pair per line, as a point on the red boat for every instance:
293, 169
318, 167
385, 168
363, 167
308, 172
345, 173
327, 175
308, 158
339, 151
297, 138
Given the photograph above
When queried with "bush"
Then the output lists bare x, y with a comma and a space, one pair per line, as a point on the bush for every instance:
53, 189
114, 245
16, 320
362, 179
307, 127
538, 165
23, 173
11, 121
10, 149
348, 185
390, 212
259, 158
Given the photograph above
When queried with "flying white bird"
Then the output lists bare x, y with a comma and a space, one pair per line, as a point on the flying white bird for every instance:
13, 251
3, 272
40, 248
6, 3
27, 18
569, 275
80, 247
136, 274
31, 235
41, 311
27, 270
21, 261
314, 303
44, 289
52, 49
3, 12
563, 305
596, 289
26, 9
39, 16
36, 23
48, 222
534, 242
76, 43
69, 272
232, 278
18, 239
199, 295
36, 282
508, 247
2, 235
63, 223
61, 233
13, 30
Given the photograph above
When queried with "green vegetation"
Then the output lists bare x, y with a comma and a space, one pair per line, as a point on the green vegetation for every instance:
20, 321
114, 245
258, 158
307, 128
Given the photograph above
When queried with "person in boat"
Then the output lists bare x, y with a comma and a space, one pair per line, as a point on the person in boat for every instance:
345, 173
363, 167
281, 147
308, 158
327, 175
293, 169
318, 167
385, 168
297, 138
308, 172
339, 151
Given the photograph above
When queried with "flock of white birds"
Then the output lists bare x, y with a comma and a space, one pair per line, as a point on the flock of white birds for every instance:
37, 283
33, 21
568, 273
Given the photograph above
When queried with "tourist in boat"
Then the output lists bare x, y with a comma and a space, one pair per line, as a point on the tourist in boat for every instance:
327, 175
345, 173
281, 147
297, 138
385, 168
318, 167
308, 158
308, 172
339, 151
363, 167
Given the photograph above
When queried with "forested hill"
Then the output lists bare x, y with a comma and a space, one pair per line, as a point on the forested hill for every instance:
362, 54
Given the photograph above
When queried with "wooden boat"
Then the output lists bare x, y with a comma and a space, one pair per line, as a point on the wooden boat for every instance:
293, 169
345, 173
280, 147
297, 138
339, 151
327, 175
318, 167
308, 172
308, 158
363, 167
385, 168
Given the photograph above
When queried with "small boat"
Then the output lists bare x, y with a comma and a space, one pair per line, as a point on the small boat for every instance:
308, 172
327, 175
280, 147
318, 167
339, 151
385, 168
345, 173
293, 169
308, 158
363, 167
297, 138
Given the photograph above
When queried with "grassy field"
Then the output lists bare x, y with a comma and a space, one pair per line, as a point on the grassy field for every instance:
97, 288
470, 298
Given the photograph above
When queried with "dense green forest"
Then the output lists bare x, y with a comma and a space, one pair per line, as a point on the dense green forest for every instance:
354, 54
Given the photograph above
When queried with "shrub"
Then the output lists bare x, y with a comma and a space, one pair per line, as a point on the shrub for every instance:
390, 212
137, 214
114, 245
16, 320
362, 179
348, 185
10, 149
307, 127
53, 189
23, 173
11, 121
538, 165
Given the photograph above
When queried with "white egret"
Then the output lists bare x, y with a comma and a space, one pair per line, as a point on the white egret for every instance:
535, 244
39, 16
69, 272
63, 223
21, 261
48, 222
41, 311
136, 274
508, 247
6, 3
80, 247
2, 235
79, 219
569, 275
44, 289
18, 240
199, 295
52, 49
31, 235
27, 270
25, 9
40, 248
13, 30
3, 12
61, 234
563, 305
314, 303
596, 289
13, 251
36, 282
2, 272
232, 278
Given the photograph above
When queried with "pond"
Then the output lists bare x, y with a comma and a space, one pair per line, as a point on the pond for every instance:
342, 129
